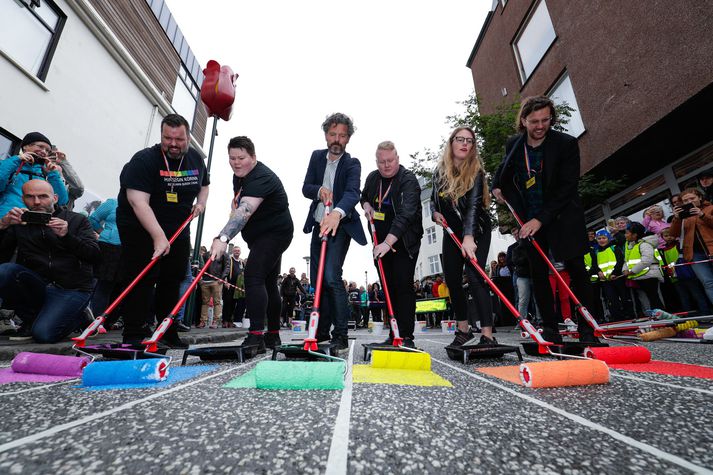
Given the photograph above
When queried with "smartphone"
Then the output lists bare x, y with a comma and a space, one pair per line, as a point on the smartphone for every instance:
36, 217
685, 211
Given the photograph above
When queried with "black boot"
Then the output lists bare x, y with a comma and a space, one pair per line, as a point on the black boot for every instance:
172, 340
272, 340
255, 340
551, 334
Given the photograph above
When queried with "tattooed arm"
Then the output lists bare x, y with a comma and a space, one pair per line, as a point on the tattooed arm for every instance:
238, 219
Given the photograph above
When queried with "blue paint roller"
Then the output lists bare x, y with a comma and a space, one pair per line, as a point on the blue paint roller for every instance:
125, 372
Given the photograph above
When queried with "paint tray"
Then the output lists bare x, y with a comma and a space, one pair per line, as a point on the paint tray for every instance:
221, 353
467, 353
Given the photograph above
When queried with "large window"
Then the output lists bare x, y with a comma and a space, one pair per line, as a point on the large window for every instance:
8, 144
431, 235
533, 40
434, 262
426, 208
563, 92
29, 33
185, 96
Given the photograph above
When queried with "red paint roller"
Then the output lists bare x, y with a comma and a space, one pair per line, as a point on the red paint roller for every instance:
619, 354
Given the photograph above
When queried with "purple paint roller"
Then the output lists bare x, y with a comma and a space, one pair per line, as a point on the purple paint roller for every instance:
52, 365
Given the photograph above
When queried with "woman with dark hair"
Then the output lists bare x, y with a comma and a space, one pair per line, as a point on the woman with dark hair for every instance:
260, 212
460, 196
694, 221
641, 263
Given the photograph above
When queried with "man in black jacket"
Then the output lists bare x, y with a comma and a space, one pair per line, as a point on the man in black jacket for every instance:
51, 282
288, 290
392, 198
539, 178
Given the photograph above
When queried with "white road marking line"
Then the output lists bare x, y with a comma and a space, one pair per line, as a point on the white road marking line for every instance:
339, 449
44, 386
616, 375
93, 417
658, 453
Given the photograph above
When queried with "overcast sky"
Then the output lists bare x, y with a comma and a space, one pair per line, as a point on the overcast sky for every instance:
396, 67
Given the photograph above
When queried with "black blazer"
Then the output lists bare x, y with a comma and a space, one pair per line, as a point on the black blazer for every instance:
562, 215
346, 192
406, 201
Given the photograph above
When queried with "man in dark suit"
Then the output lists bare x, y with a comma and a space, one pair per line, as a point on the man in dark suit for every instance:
333, 177
539, 178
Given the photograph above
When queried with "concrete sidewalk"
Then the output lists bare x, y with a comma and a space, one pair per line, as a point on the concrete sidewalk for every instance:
9, 348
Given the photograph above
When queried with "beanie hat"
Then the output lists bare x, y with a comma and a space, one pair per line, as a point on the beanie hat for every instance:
604, 232
33, 137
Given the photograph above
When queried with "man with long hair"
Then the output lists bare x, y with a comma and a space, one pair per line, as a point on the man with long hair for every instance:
539, 178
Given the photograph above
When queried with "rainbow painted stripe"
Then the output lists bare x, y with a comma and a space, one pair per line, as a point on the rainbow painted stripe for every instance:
179, 173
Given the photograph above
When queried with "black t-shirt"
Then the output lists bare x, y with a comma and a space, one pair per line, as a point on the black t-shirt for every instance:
272, 217
172, 191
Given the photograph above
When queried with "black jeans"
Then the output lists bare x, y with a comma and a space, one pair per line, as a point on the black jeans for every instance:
166, 276
398, 270
288, 308
453, 263
579, 279
262, 297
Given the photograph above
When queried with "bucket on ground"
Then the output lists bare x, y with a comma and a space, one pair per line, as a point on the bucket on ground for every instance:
448, 326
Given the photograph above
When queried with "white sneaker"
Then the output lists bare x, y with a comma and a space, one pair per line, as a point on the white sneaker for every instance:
7, 324
708, 335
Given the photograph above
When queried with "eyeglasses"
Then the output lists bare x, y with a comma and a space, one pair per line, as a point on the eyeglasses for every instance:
544, 121
467, 140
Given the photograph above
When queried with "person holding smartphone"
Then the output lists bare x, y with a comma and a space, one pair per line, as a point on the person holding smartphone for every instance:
693, 222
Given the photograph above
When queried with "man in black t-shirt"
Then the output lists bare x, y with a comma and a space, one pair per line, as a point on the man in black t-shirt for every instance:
158, 189
260, 212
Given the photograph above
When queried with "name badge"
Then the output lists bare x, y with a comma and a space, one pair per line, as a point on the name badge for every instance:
171, 197
530, 182
379, 216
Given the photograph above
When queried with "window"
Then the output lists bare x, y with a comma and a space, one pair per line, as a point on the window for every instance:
30, 33
563, 92
534, 39
185, 95
434, 263
431, 235
426, 207
8, 144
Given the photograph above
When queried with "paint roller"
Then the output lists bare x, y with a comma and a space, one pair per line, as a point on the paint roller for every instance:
619, 354
107, 373
659, 334
564, 373
299, 375
50, 365
97, 324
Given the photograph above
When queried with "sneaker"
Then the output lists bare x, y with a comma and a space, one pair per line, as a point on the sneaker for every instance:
272, 340
213, 327
135, 335
341, 342
182, 327
462, 338
23, 333
552, 335
255, 340
201, 325
484, 340
588, 336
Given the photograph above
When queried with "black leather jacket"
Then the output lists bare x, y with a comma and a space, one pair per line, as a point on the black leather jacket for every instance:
473, 216
66, 262
406, 200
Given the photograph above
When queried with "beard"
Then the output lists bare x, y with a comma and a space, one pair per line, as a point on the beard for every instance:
336, 148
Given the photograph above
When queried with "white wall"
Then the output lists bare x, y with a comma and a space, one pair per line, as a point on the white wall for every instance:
93, 110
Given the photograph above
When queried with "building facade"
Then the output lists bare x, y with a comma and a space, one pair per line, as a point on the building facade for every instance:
638, 75
96, 77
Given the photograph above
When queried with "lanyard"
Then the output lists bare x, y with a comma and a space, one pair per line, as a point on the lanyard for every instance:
383, 197
527, 162
168, 169
236, 199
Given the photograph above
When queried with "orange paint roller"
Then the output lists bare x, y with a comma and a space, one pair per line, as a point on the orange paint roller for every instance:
654, 335
564, 373
619, 354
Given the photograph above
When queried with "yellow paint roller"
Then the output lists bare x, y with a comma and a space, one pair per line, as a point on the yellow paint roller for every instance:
415, 360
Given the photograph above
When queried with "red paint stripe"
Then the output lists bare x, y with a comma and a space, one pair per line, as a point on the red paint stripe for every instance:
669, 368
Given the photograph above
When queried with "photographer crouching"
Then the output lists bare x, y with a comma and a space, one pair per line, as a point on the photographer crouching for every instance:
50, 284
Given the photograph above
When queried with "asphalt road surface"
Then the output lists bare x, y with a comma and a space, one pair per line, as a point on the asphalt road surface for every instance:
639, 423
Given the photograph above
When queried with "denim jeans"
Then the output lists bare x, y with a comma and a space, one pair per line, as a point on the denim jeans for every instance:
524, 292
704, 272
51, 312
334, 304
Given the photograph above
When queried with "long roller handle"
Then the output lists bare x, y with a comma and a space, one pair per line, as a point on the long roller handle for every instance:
310, 343
398, 341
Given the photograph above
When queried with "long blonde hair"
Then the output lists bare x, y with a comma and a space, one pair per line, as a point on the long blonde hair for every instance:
455, 182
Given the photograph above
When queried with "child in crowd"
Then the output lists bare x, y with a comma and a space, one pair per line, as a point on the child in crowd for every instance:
642, 266
686, 285
654, 222
609, 265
